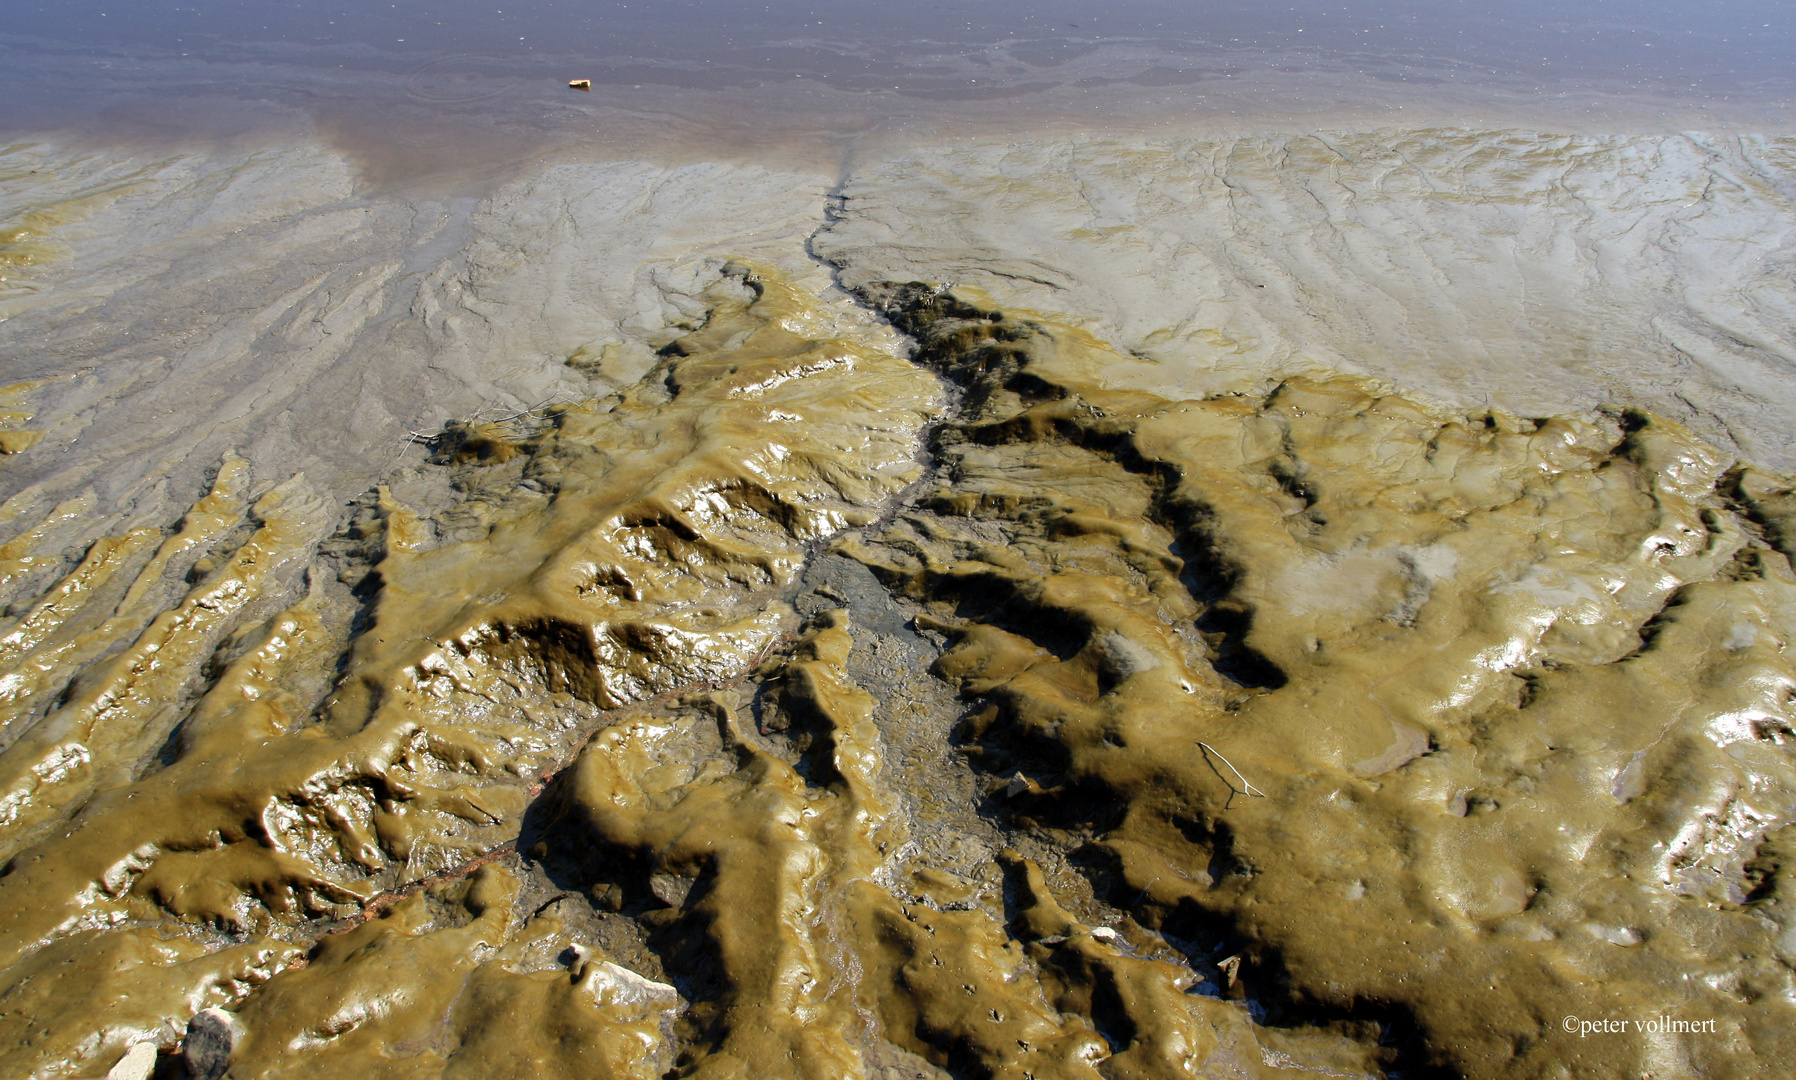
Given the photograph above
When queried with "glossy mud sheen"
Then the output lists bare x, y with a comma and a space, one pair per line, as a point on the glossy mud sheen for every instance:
806, 709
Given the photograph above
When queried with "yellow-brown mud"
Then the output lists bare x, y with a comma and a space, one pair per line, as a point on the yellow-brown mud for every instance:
15, 437
1312, 732
1513, 695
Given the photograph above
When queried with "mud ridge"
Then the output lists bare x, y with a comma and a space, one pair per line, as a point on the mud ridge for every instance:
811, 709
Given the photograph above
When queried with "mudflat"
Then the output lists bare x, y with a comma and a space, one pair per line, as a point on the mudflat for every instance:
1265, 603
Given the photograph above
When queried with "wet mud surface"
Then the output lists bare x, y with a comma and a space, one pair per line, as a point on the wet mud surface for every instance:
826, 703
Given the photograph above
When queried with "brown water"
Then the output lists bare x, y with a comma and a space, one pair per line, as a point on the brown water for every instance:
713, 578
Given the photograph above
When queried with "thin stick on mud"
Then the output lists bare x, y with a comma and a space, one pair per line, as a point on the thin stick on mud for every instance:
1245, 788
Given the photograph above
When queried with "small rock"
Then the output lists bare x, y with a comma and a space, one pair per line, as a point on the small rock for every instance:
211, 1036
670, 889
607, 896
1105, 933
1018, 784
618, 985
137, 1064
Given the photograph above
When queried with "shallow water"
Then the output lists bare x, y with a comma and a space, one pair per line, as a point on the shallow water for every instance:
967, 541
428, 88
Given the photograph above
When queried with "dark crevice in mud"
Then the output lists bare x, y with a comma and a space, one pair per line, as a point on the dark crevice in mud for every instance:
994, 599
1765, 502
1533, 684
1278, 1002
1770, 873
1225, 628
170, 750
1046, 801
986, 354
970, 347
1244, 968
835, 210
350, 558
1655, 625
1287, 471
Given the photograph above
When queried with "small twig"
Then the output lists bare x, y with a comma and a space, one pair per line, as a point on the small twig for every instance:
552, 399
550, 902
1245, 788
766, 649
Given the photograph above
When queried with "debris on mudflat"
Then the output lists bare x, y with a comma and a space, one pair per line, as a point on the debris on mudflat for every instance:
138, 1063
212, 1035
